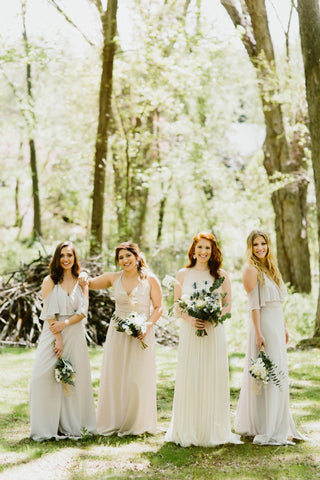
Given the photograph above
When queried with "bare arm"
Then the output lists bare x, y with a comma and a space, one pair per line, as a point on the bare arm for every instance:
98, 283
156, 299
226, 287
250, 280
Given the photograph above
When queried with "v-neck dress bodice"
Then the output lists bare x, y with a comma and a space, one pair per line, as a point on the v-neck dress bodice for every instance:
137, 301
127, 395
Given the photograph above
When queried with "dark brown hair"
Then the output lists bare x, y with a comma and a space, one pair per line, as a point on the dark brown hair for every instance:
56, 271
215, 260
135, 250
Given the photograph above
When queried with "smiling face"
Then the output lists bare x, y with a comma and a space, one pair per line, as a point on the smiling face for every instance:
260, 247
203, 251
66, 258
127, 260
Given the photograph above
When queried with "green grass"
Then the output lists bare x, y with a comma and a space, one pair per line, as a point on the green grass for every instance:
149, 457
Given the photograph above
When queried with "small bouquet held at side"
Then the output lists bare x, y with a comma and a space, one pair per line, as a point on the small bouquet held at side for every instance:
132, 325
205, 304
264, 370
64, 374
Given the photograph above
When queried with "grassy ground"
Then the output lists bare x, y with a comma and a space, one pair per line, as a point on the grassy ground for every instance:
149, 457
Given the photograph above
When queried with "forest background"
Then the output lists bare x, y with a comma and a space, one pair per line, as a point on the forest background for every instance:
187, 139
152, 120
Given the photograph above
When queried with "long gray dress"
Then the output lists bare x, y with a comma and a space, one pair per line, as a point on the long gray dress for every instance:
265, 413
51, 409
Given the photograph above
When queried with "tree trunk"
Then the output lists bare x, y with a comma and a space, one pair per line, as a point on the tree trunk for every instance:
289, 201
109, 24
32, 148
35, 190
309, 22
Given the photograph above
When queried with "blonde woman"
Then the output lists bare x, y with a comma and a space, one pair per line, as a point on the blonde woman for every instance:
265, 414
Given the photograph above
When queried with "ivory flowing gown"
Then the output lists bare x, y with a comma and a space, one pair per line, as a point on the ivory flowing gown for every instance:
265, 414
51, 409
127, 395
201, 404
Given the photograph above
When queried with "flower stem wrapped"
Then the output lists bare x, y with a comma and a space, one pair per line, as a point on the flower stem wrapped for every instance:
263, 369
64, 374
134, 324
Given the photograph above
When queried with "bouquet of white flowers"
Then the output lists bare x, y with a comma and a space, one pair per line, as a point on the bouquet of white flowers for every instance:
133, 324
263, 369
205, 304
64, 373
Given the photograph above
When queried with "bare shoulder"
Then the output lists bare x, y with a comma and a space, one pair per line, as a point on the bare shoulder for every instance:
47, 287
181, 274
112, 276
223, 273
249, 277
152, 279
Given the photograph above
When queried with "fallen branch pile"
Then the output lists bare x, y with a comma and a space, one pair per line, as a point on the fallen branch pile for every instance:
20, 307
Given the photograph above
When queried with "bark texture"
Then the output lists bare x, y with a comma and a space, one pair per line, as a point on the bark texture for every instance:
309, 22
289, 201
109, 28
31, 124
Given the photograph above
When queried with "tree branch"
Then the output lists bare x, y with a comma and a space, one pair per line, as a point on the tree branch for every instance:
68, 19
240, 20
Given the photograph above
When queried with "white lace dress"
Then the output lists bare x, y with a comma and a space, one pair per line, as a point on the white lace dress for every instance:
201, 404
127, 395
264, 414
51, 410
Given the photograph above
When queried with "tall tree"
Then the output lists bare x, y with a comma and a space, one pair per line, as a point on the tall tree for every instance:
30, 126
309, 22
109, 28
290, 200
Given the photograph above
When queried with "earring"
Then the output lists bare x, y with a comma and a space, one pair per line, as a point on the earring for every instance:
194, 257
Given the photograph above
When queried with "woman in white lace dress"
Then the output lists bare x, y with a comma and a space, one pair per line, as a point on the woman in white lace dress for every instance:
264, 413
54, 412
127, 394
201, 404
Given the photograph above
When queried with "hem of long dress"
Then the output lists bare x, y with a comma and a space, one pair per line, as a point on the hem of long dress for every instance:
267, 440
233, 439
123, 434
63, 436
55, 437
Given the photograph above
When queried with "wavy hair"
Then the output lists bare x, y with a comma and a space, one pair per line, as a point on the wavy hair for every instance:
56, 271
215, 260
269, 265
135, 250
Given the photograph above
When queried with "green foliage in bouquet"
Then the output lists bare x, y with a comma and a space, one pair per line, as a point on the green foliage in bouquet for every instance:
205, 304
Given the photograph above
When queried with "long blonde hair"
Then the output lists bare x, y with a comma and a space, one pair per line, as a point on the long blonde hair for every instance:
269, 266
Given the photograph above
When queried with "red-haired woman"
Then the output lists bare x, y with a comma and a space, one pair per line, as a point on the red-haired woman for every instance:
265, 415
65, 304
127, 395
201, 404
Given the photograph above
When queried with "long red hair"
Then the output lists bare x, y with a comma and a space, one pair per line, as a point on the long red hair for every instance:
215, 260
